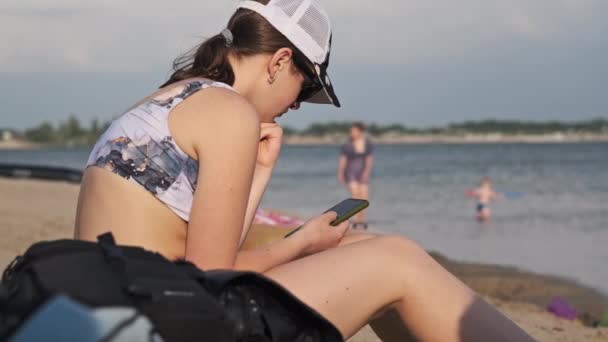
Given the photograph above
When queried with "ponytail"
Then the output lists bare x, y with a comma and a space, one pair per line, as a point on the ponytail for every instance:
209, 60
250, 34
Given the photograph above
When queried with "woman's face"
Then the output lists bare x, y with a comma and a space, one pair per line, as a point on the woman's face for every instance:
355, 132
288, 85
281, 95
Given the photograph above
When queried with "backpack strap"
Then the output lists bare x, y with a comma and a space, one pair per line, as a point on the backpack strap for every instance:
10, 268
106, 239
115, 257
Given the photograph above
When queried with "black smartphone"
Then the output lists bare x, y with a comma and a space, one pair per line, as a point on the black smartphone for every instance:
345, 210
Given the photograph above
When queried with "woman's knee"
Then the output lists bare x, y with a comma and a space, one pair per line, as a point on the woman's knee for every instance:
402, 251
352, 236
399, 243
398, 263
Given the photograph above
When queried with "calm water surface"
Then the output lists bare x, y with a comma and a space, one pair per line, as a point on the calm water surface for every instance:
559, 225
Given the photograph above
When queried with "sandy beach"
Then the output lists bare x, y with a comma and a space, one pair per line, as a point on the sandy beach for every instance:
36, 210
17, 145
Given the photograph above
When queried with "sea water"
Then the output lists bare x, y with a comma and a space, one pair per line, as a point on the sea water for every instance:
557, 223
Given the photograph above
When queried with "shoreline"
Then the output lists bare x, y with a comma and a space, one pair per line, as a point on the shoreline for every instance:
388, 139
421, 139
512, 283
19, 145
36, 210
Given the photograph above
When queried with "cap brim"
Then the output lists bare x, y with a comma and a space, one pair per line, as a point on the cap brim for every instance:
326, 95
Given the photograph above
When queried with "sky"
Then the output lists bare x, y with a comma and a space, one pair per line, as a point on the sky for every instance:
419, 63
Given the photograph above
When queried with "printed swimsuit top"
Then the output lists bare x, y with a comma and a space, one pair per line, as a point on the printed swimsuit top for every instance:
139, 147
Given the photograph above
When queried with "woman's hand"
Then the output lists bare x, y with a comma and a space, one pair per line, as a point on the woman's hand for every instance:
319, 235
269, 147
365, 178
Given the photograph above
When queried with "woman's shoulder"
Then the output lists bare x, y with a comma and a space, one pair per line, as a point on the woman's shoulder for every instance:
207, 117
220, 102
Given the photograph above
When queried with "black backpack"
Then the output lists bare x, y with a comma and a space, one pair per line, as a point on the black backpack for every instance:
183, 302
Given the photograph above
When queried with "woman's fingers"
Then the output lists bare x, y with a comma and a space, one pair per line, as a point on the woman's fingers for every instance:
271, 136
270, 130
329, 216
341, 229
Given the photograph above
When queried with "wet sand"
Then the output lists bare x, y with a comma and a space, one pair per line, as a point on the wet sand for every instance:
33, 210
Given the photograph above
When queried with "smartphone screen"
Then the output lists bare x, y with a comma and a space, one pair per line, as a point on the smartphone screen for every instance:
345, 210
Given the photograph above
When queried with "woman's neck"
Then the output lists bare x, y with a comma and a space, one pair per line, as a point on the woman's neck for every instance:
246, 75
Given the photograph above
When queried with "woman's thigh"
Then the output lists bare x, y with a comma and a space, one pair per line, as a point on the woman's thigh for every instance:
350, 284
334, 281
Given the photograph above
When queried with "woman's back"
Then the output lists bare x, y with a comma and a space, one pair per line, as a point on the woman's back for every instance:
151, 199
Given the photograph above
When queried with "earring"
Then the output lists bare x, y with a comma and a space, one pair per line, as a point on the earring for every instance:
271, 80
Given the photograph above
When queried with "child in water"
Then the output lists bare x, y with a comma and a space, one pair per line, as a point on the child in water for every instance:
484, 194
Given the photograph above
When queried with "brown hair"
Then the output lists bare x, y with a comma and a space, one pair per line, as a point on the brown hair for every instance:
360, 125
252, 35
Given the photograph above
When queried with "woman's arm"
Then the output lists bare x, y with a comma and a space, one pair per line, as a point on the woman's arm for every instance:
261, 177
369, 160
224, 131
276, 253
316, 235
269, 148
226, 138
341, 167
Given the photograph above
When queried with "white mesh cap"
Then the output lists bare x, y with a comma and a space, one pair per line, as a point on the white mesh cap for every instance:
307, 26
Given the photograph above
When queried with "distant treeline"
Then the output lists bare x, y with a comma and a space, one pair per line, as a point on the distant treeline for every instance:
595, 126
72, 132
68, 132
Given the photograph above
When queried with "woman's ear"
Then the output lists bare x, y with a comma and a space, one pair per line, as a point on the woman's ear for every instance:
279, 61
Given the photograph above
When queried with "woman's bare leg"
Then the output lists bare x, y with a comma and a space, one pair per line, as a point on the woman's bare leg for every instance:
353, 187
363, 194
390, 328
387, 325
350, 284
357, 191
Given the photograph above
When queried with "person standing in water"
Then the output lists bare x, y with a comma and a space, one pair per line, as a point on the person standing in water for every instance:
355, 167
484, 194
